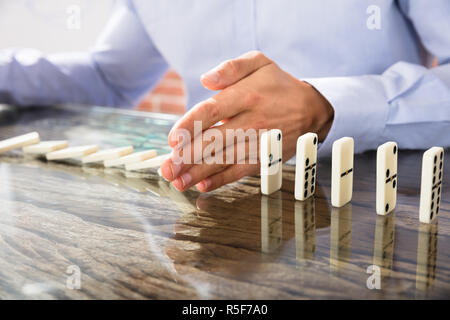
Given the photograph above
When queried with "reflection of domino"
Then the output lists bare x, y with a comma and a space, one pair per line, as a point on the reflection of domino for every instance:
383, 250
431, 185
271, 161
153, 163
19, 141
306, 166
387, 155
340, 236
271, 222
427, 248
305, 229
342, 172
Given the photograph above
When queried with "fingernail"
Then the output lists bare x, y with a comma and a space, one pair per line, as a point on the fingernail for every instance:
176, 168
178, 184
166, 172
212, 76
204, 184
186, 178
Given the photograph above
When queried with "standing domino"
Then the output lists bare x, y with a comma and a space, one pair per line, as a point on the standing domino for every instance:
305, 168
271, 152
431, 185
19, 141
342, 172
386, 177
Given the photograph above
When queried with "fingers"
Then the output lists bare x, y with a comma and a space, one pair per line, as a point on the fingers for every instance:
239, 154
196, 174
230, 174
231, 71
227, 104
220, 144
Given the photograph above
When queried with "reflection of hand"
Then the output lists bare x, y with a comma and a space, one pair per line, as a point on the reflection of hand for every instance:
255, 93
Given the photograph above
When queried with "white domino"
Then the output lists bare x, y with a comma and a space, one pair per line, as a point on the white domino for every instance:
109, 154
431, 185
153, 163
19, 142
342, 171
45, 147
387, 155
271, 152
132, 158
306, 166
72, 152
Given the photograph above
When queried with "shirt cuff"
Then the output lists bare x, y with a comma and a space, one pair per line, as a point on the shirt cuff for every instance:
360, 110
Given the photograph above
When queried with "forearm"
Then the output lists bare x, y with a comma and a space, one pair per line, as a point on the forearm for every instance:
27, 77
118, 71
408, 104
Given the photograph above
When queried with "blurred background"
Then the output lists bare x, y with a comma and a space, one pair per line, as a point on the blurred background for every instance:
73, 25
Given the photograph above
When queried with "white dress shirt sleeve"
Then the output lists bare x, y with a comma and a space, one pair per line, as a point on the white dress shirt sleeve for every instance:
408, 103
118, 71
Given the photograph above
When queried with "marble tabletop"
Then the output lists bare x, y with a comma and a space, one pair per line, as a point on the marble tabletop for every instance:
85, 232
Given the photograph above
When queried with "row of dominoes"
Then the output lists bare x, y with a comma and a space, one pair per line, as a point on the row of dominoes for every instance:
60, 150
342, 172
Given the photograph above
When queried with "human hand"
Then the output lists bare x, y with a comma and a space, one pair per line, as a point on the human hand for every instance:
255, 94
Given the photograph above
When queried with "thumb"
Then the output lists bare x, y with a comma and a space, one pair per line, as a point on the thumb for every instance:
231, 71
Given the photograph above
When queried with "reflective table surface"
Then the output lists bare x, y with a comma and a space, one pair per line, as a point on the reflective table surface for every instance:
85, 232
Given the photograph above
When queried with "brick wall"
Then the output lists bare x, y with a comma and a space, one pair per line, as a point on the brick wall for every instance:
168, 96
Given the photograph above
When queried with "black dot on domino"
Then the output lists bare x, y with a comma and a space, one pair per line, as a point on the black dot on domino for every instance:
442, 154
395, 149
387, 207
307, 162
312, 189
431, 215
432, 196
394, 183
434, 170
435, 159
315, 141
306, 193
387, 173
306, 176
312, 180
279, 137
270, 157
306, 184
432, 205
313, 171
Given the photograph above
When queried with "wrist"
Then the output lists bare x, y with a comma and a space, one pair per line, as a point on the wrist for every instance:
323, 114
